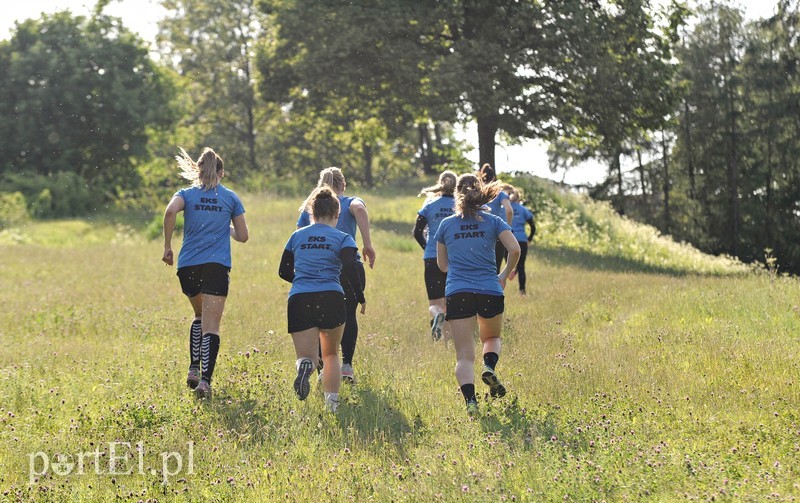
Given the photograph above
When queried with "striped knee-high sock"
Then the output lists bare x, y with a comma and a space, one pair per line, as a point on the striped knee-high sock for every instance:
208, 353
195, 340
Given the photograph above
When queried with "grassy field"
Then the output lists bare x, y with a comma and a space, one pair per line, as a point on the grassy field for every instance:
637, 369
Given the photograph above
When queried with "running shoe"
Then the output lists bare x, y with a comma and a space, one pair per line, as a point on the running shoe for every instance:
347, 373
496, 389
331, 404
304, 369
472, 407
436, 327
203, 390
193, 379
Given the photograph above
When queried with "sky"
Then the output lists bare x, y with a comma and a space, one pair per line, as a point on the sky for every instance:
142, 16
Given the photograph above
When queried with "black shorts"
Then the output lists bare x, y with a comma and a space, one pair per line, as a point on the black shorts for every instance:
435, 279
466, 305
211, 278
324, 310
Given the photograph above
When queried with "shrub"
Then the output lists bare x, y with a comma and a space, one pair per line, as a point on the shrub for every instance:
13, 209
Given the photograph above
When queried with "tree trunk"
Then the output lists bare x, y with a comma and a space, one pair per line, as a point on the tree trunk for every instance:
641, 173
367, 152
666, 188
616, 167
487, 129
426, 149
689, 146
733, 174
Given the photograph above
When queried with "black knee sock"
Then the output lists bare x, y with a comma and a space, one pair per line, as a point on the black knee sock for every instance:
468, 390
490, 360
195, 340
210, 349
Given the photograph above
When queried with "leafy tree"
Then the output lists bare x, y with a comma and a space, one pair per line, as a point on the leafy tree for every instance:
77, 95
212, 44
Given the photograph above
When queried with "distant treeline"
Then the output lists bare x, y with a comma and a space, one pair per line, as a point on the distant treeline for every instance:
702, 105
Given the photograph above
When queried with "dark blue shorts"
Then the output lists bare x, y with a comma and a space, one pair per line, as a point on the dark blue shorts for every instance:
467, 304
211, 279
323, 310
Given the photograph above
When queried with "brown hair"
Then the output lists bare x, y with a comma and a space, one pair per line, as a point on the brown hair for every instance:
445, 185
206, 172
513, 192
472, 194
487, 173
322, 203
333, 178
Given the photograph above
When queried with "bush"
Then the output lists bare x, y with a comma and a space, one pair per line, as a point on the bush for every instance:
63, 194
155, 228
13, 209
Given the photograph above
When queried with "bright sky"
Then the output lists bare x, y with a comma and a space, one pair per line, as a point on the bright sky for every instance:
142, 15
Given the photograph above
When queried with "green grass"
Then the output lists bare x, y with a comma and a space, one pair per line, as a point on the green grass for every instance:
636, 368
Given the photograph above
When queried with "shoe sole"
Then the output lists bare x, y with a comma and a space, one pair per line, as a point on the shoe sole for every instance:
301, 385
496, 389
436, 327
192, 381
202, 394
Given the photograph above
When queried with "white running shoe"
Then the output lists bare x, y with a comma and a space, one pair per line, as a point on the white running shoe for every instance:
304, 369
331, 402
436, 327
348, 375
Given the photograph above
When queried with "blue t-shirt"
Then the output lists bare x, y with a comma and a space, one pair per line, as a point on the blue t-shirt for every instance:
470, 253
207, 216
521, 216
317, 266
496, 205
346, 223
435, 210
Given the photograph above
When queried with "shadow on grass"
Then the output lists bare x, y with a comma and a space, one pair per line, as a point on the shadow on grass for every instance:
529, 428
374, 422
594, 262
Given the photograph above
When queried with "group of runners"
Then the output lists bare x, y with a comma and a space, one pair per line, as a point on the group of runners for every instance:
468, 226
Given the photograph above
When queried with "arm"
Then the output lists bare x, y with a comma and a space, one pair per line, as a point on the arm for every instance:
359, 211
239, 230
512, 246
533, 229
441, 256
350, 273
505, 203
286, 269
175, 206
419, 230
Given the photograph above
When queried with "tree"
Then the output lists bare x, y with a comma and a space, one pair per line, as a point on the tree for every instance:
212, 44
78, 96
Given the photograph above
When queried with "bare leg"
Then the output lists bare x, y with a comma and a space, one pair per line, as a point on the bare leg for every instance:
331, 368
462, 331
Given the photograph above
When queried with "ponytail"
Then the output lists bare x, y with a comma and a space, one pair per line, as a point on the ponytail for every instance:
322, 203
446, 185
472, 194
205, 172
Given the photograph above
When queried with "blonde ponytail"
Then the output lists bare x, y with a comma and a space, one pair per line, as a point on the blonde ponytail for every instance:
206, 172
445, 185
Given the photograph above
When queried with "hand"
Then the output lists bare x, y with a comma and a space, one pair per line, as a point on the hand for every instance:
167, 258
364, 307
369, 254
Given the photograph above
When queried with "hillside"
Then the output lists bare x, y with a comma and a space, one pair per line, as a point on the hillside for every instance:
636, 367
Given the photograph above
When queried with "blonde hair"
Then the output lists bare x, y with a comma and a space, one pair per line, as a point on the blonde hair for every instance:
472, 194
445, 185
513, 193
322, 203
206, 172
333, 178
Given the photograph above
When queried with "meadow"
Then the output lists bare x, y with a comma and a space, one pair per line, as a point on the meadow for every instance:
637, 369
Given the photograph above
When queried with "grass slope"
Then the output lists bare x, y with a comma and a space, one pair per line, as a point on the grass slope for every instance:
636, 369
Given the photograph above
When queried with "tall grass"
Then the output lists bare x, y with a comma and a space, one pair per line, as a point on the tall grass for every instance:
636, 369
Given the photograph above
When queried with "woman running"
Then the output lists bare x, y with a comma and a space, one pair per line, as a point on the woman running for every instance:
474, 291
315, 258
522, 216
500, 206
213, 214
353, 214
438, 206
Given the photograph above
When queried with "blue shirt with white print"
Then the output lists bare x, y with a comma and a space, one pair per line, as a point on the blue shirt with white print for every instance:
316, 250
435, 210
